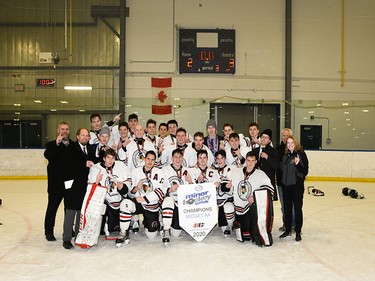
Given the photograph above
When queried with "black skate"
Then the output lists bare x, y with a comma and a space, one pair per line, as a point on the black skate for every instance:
166, 237
227, 232
123, 239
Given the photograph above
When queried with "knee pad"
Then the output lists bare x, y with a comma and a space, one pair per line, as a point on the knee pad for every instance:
127, 206
168, 202
151, 235
175, 232
228, 207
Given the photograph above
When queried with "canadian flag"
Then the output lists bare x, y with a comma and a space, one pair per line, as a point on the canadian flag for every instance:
161, 95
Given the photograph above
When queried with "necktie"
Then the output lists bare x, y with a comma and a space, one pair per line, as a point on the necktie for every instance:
84, 150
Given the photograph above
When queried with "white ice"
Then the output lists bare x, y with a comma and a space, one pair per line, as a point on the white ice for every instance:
337, 244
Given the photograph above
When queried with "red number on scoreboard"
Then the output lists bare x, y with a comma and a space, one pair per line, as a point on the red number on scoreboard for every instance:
189, 62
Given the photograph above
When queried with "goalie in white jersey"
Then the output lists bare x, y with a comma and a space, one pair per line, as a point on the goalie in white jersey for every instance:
115, 176
174, 176
251, 220
145, 198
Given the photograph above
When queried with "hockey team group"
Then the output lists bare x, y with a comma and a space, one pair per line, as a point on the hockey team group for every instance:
140, 170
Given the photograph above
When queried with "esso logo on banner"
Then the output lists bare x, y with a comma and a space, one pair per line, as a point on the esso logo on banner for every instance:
198, 188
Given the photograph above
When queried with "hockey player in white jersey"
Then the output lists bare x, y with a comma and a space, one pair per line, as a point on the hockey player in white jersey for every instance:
202, 173
137, 149
254, 215
227, 130
115, 176
224, 193
174, 176
146, 196
96, 126
236, 153
122, 141
166, 156
194, 147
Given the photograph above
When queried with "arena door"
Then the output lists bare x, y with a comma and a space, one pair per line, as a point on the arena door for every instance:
240, 115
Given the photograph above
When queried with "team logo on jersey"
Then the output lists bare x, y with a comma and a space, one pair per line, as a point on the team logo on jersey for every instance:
175, 180
147, 187
138, 158
110, 183
244, 190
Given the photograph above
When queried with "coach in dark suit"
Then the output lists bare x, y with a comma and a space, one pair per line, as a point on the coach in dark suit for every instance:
268, 157
77, 174
56, 154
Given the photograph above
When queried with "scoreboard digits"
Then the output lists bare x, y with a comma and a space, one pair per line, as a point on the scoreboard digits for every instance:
207, 51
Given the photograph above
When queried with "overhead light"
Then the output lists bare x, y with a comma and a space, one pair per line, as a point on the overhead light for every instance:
128, 105
53, 109
37, 101
346, 112
176, 98
318, 104
311, 112
63, 101
78, 88
365, 110
17, 113
81, 110
17, 104
348, 119
16, 119
345, 104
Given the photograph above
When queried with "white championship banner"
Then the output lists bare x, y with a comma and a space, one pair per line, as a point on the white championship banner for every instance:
197, 209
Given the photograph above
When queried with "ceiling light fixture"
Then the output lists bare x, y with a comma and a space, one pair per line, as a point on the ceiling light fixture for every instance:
78, 88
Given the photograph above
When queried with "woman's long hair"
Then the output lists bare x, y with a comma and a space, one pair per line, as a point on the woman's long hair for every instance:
297, 146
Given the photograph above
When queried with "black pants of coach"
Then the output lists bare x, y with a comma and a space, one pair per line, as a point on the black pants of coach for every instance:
293, 197
54, 201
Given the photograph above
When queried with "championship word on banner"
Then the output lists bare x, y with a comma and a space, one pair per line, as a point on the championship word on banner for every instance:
197, 209
161, 95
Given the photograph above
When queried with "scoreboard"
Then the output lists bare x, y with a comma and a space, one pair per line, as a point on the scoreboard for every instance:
207, 51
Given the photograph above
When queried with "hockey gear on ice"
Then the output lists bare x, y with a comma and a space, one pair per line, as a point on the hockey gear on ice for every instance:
166, 237
315, 191
123, 239
352, 193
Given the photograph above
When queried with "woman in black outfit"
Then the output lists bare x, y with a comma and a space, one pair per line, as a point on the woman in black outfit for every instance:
295, 167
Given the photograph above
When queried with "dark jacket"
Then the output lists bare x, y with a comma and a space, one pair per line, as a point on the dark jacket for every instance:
294, 174
279, 173
269, 165
78, 172
217, 142
57, 165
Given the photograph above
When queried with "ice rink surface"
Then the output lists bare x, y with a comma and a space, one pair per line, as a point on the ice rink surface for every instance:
338, 243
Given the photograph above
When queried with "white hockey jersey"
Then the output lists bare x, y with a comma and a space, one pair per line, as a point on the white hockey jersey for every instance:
209, 175
172, 176
111, 176
191, 156
234, 160
152, 189
166, 156
135, 153
244, 186
223, 194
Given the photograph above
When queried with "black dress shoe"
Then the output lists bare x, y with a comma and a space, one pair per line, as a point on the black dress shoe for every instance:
298, 237
285, 234
50, 237
68, 245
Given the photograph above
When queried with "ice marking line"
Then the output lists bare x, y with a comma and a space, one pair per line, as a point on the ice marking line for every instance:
25, 236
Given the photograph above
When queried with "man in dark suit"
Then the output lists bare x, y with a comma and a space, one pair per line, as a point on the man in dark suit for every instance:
212, 141
55, 153
268, 157
75, 185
